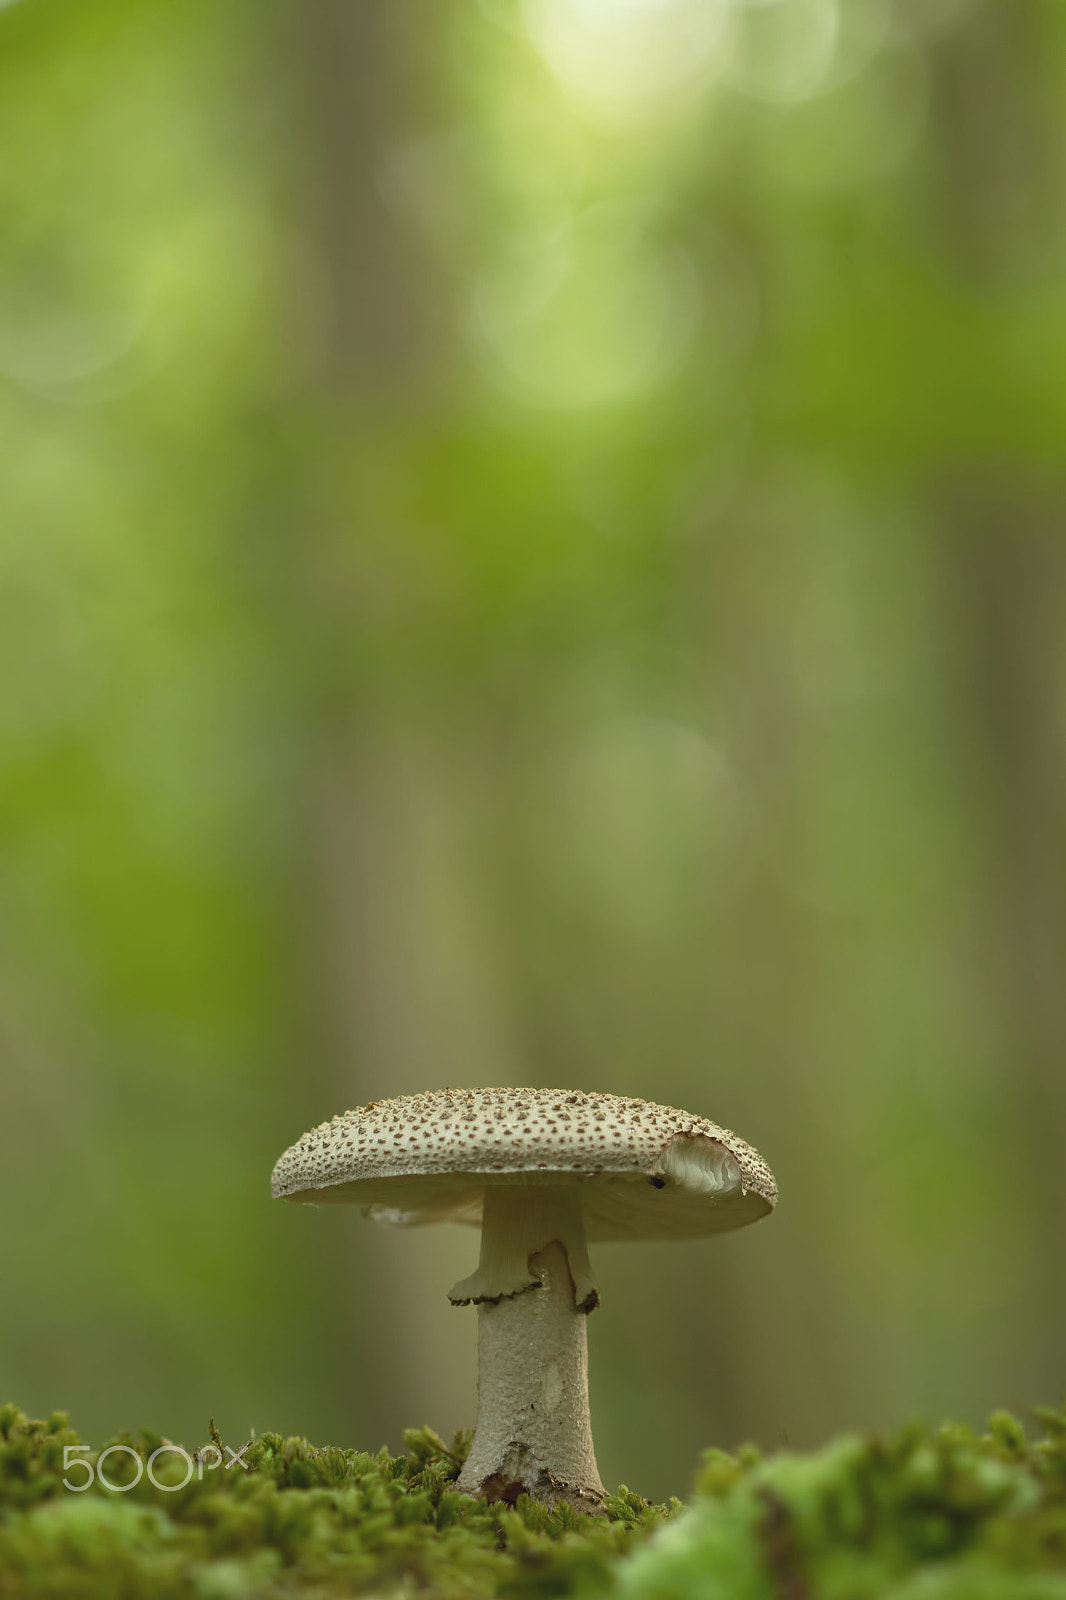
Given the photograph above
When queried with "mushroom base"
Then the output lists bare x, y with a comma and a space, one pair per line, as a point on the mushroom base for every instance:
533, 1432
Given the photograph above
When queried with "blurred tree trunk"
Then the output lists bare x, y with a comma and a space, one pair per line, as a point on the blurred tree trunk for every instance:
1004, 521
360, 86
372, 855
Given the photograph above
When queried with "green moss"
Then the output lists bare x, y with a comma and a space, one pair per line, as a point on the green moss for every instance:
299, 1521
928, 1515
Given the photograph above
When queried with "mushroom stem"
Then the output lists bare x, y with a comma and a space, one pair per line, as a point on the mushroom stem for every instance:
533, 1433
517, 1220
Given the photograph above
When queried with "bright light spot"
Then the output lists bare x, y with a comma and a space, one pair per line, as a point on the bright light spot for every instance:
62, 348
592, 311
787, 51
83, 358
781, 50
624, 50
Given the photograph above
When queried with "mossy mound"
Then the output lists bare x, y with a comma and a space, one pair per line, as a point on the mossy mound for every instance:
287, 1520
929, 1515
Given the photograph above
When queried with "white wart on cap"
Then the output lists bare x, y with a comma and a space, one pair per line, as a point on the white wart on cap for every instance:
541, 1171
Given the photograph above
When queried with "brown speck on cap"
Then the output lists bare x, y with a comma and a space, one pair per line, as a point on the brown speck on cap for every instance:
428, 1158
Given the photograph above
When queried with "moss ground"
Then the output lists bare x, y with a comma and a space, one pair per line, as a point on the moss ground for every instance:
931, 1514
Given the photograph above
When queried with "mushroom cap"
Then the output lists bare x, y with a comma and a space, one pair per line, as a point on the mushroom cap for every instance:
645, 1171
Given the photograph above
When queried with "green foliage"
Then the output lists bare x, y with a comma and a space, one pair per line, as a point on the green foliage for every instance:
927, 1515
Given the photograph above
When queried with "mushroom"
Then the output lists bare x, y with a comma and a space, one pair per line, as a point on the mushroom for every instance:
541, 1171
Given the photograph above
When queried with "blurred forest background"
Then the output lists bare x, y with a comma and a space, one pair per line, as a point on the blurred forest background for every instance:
532, 551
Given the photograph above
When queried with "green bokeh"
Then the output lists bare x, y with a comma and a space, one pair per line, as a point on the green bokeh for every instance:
532, 553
